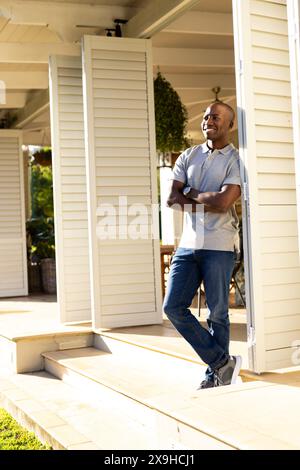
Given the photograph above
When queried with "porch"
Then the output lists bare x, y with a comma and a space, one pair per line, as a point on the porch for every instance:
82, 388
135, 387
194, 60
37, 316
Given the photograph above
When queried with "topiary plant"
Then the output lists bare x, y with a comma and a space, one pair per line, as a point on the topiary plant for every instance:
171, 117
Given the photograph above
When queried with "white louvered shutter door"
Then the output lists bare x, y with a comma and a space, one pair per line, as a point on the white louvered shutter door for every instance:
70, 197
264, 101
120, 141
13, 258
293, 8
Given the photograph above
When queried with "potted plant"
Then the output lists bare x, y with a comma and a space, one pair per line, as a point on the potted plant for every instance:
171, 119
42, 250
40, 227
43, 157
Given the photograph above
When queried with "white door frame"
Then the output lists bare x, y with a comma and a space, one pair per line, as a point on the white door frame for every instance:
293, 11
246, 144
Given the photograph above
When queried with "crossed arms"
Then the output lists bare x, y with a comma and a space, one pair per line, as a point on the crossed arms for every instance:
213, 201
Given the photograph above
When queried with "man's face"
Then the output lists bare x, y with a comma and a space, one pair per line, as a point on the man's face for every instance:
216, 123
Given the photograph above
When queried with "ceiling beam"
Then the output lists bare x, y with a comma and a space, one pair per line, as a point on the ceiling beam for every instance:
38, 137
198, 81
36, 126
202, 22
2, 92
179, 57
11, 52
3, 22
13, 100
156, 16
38, 104
15, 52
65, 19
24, 80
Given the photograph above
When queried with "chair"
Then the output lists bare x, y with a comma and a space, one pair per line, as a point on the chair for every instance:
239, 262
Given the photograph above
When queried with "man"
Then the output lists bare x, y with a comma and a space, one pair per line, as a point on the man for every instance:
205, 185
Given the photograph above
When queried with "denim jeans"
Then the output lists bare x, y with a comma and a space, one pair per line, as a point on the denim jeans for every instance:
188, 269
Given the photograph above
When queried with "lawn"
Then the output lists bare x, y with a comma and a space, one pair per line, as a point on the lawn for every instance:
14, 437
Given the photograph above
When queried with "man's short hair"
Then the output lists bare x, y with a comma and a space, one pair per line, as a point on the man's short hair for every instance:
226, 106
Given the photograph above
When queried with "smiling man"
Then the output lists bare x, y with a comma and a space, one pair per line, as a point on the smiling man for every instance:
205, 185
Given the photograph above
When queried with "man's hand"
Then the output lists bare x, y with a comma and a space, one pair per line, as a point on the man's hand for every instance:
222, 201
213, 201
177, 200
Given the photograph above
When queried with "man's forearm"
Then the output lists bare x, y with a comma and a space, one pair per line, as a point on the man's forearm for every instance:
180, 202
213, 201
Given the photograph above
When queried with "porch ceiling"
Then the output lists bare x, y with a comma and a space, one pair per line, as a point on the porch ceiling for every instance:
194, 52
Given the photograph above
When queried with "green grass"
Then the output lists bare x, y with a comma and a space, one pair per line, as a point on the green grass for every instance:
14, 437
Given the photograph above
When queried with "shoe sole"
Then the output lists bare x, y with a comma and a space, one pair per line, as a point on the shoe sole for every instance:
237, 369
205, 388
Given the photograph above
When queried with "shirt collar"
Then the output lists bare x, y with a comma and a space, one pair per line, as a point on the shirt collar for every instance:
224, 150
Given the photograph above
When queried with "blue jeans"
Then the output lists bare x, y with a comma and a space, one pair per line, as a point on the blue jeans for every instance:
188, 269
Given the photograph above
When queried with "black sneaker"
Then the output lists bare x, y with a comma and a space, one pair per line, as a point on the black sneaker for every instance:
206, 383
227, 374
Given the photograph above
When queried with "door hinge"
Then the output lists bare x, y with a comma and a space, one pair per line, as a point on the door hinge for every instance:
245, 191
296, 32
241, 70
251, 340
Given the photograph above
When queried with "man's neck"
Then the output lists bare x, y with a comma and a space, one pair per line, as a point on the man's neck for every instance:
216, 145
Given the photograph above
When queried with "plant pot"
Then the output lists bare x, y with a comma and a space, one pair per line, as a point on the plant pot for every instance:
48, 269
34, 277
43, 158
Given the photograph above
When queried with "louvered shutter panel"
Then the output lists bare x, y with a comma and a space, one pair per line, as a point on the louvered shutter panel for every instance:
70, 197
13, 258
266, 140
293, 9
120, 142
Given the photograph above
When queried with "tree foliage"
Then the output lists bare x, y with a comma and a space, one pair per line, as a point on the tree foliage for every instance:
41, 225
170, 117
41, 191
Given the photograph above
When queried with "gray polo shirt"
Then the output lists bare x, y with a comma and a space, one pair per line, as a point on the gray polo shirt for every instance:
208, 171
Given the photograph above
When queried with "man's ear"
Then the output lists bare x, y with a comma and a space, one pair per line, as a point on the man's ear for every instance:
231, 124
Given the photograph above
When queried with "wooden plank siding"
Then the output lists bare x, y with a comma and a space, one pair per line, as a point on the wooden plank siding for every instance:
271, 171
119, 121
70, 193
13, 256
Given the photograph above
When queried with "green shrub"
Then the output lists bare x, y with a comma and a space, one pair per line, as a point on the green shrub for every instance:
40, 228
41, 191
14, 437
